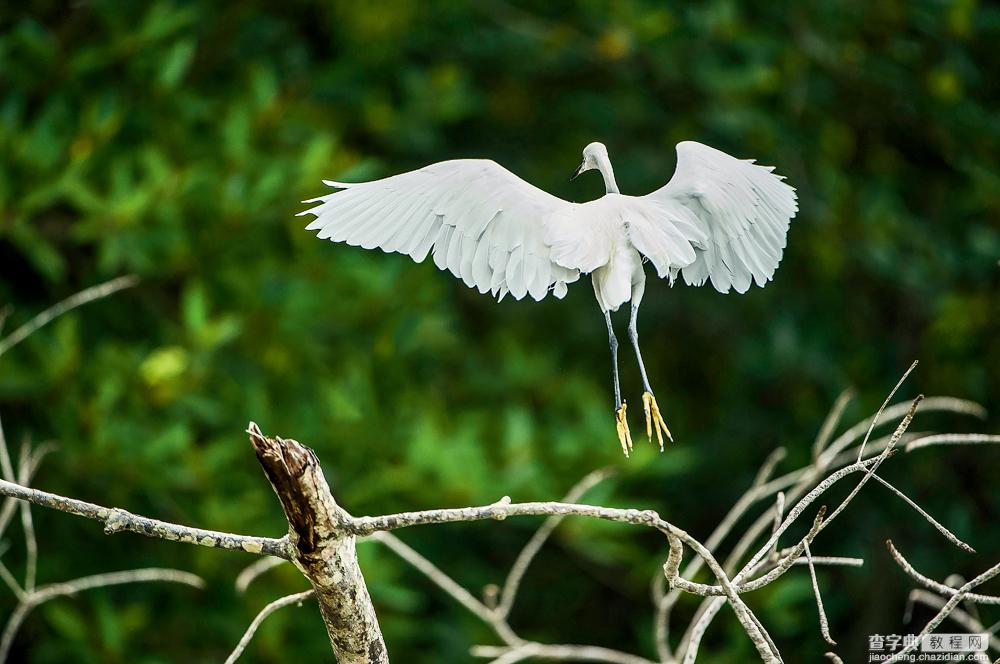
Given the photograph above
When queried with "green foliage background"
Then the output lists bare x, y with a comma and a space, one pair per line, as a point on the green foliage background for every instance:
174, 140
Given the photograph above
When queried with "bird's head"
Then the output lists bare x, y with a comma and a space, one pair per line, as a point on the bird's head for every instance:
593, 156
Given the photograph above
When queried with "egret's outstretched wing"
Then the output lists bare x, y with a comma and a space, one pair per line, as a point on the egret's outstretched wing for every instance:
483, 223
742, 209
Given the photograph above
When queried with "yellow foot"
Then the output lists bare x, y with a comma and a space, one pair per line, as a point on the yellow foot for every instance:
654, 420
624, 435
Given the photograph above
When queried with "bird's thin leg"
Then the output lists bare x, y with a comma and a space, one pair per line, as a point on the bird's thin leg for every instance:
624, 435
613, 343
654, 420
633, 335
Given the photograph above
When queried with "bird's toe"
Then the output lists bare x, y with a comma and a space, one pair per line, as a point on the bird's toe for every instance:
654, 419
621, 426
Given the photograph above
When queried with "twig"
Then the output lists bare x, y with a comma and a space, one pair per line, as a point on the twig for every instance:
931, 404
450, 586
709, 610
254, 570
118, 520
665, 602
6, 467
515, 647
831, 422
782, 566
11, 582
28, 524
83, 297
779, 515
833, 560
946, 610
288, 600
834, 455
804, 503
824, 624
12, 504
504, 508
508, 655
45, 593
948, 535
537, 541
958, 615
931, 583
952, 439
878, 414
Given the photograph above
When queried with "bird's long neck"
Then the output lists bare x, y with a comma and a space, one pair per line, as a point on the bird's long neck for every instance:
608, 173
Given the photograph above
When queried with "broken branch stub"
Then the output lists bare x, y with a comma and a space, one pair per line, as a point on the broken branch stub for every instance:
322, 548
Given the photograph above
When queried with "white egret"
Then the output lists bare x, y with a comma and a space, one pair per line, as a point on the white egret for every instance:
718, 219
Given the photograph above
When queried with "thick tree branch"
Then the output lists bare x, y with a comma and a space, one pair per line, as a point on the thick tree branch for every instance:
323, 548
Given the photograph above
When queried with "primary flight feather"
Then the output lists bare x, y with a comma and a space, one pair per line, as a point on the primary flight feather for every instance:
719, 219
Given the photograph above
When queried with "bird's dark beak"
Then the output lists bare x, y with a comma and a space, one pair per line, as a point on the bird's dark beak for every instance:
578, 171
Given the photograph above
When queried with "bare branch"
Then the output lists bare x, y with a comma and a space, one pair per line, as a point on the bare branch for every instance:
779, 515
72, 302
500, 510
11, 582
118, 520
708, 611
834, 456
932, 404
958, 616
951, 537
824, 624
322, 538
515, 648
254, 570
11, 504
804, 503
504, 508
832, 560
27, 523
508, 655
831, 422
878, 414
779, 570
952, 439
450, 586
931, 583
288, 600
946, 610
43, 594
666, 602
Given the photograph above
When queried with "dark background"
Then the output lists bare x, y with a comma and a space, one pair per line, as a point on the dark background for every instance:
174, 141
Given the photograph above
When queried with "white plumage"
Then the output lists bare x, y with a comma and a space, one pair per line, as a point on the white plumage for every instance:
718, 219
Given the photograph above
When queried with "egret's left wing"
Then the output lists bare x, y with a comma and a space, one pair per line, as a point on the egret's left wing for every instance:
740, 210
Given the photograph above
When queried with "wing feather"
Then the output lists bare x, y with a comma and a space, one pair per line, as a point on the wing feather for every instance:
478, 220
741, 209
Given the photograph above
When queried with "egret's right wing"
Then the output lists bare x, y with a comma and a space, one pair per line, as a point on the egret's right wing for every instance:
484, 224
